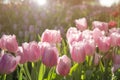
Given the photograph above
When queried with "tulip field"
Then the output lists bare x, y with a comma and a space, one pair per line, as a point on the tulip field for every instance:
62, 41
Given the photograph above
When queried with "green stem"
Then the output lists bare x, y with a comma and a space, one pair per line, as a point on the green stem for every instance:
3, 77
21, 72
27, 73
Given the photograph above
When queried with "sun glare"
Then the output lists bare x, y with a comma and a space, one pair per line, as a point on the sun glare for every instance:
41, 2
108, 3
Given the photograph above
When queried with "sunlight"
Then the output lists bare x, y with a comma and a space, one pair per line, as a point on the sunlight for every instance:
108, 3
41, 2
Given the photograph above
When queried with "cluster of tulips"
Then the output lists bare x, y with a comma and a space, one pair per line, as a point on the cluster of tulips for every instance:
102, 39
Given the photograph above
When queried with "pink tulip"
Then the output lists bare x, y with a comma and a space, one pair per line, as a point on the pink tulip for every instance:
8, 63
9, 42
31, 51
87, 34
51, 36
112, 30
78, 52
34, 51
101, 25
104, 43
81, 23
70, 31
97, 34
73, 35
23, 58
50, 56
63, 65
90, 47
115, 39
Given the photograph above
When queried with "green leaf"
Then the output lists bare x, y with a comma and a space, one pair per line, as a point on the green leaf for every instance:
41, 71
39, 37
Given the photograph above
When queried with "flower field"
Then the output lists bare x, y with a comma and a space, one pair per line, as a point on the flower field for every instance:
62, 41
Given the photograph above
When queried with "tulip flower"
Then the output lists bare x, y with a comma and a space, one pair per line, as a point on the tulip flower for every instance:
31, 51
104, 44
8, 63
81, 24
90, 47
51, 36
97, 33
73, 35
103, 26
112, 24
9, 42
78, 52
63, 65
50, 56
115, 39
23, 58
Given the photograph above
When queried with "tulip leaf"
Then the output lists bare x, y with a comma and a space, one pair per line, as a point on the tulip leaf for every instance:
41, 72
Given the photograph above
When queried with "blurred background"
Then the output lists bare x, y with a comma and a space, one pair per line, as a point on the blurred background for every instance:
29, 18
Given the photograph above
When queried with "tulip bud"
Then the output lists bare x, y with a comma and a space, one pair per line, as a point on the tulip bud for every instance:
8, 63
50, 56
51, 36
81, 24
63, 65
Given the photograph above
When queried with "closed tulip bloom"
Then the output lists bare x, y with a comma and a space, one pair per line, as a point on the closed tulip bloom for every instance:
97, 33
63, 65
78, 52
9, 42
31, 51
90, 47
81, 24
104, 44
34, 51
50, 56
8, 63
115, 39
101, 25
51, 36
